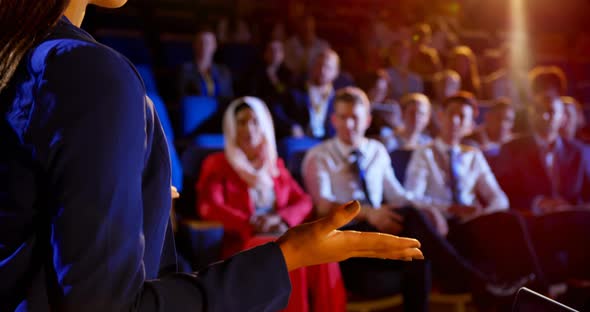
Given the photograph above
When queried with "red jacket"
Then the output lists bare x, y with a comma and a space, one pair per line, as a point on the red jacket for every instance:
223, 196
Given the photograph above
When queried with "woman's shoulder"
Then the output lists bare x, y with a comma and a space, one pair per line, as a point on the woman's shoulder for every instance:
78, 53
68, 47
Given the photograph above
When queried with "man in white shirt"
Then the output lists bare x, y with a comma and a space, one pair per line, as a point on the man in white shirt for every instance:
459, 192
350, 166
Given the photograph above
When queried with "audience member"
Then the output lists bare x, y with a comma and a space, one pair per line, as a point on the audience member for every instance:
352, 166
443, 38
202, 76
248, 189
416, 112
548, 80
573, 120
503, 80
402, 80
307, 109
446, 83
496, 129
237, 51
541, 172
464, 200
272, 79
464, 62
304, 47
385, 112
547, 178
424, 60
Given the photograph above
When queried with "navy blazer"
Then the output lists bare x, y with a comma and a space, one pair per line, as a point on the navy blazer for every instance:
520, 170
191, 82
85, 196
295, 110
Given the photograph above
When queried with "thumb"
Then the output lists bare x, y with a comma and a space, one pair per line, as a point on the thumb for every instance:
339, 217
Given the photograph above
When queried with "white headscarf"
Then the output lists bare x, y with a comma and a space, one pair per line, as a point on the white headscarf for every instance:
260, 181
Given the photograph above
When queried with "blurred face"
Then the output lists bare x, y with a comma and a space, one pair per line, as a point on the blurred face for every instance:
547, 115
108, 3
249, 135
378, 93
325, 69
205, 45
570, 122
449, 86
274, 53
350, 121
457, 121
499, 123
417, 116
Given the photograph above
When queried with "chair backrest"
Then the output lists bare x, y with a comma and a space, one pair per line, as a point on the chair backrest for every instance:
195, 111
287, 147
399, 161
528, 300
192, 160
210, 140
147, 74
176, 166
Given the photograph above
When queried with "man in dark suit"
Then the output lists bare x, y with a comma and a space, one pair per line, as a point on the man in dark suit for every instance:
548, 178
542, 172
306, 110
271, 80
202, 76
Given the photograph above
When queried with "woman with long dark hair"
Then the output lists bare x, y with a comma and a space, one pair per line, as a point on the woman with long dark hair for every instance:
464, 62
85, 187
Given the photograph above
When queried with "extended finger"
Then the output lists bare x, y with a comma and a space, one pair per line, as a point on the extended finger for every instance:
406, 254
376, 241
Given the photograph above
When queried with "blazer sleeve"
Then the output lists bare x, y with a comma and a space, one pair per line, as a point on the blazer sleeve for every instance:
212, 204
284, 111
299, 204
253, 280
88, 129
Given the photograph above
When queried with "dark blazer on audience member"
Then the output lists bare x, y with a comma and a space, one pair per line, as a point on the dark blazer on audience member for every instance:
295, 110
261, 86
191, 82
521, 173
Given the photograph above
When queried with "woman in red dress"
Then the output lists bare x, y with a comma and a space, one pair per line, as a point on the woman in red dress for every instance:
248, 189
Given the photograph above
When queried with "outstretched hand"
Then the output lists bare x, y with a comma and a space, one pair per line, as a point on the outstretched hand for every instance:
321, 242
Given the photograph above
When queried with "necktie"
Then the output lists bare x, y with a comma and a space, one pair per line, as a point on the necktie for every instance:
357, 168
454, 176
